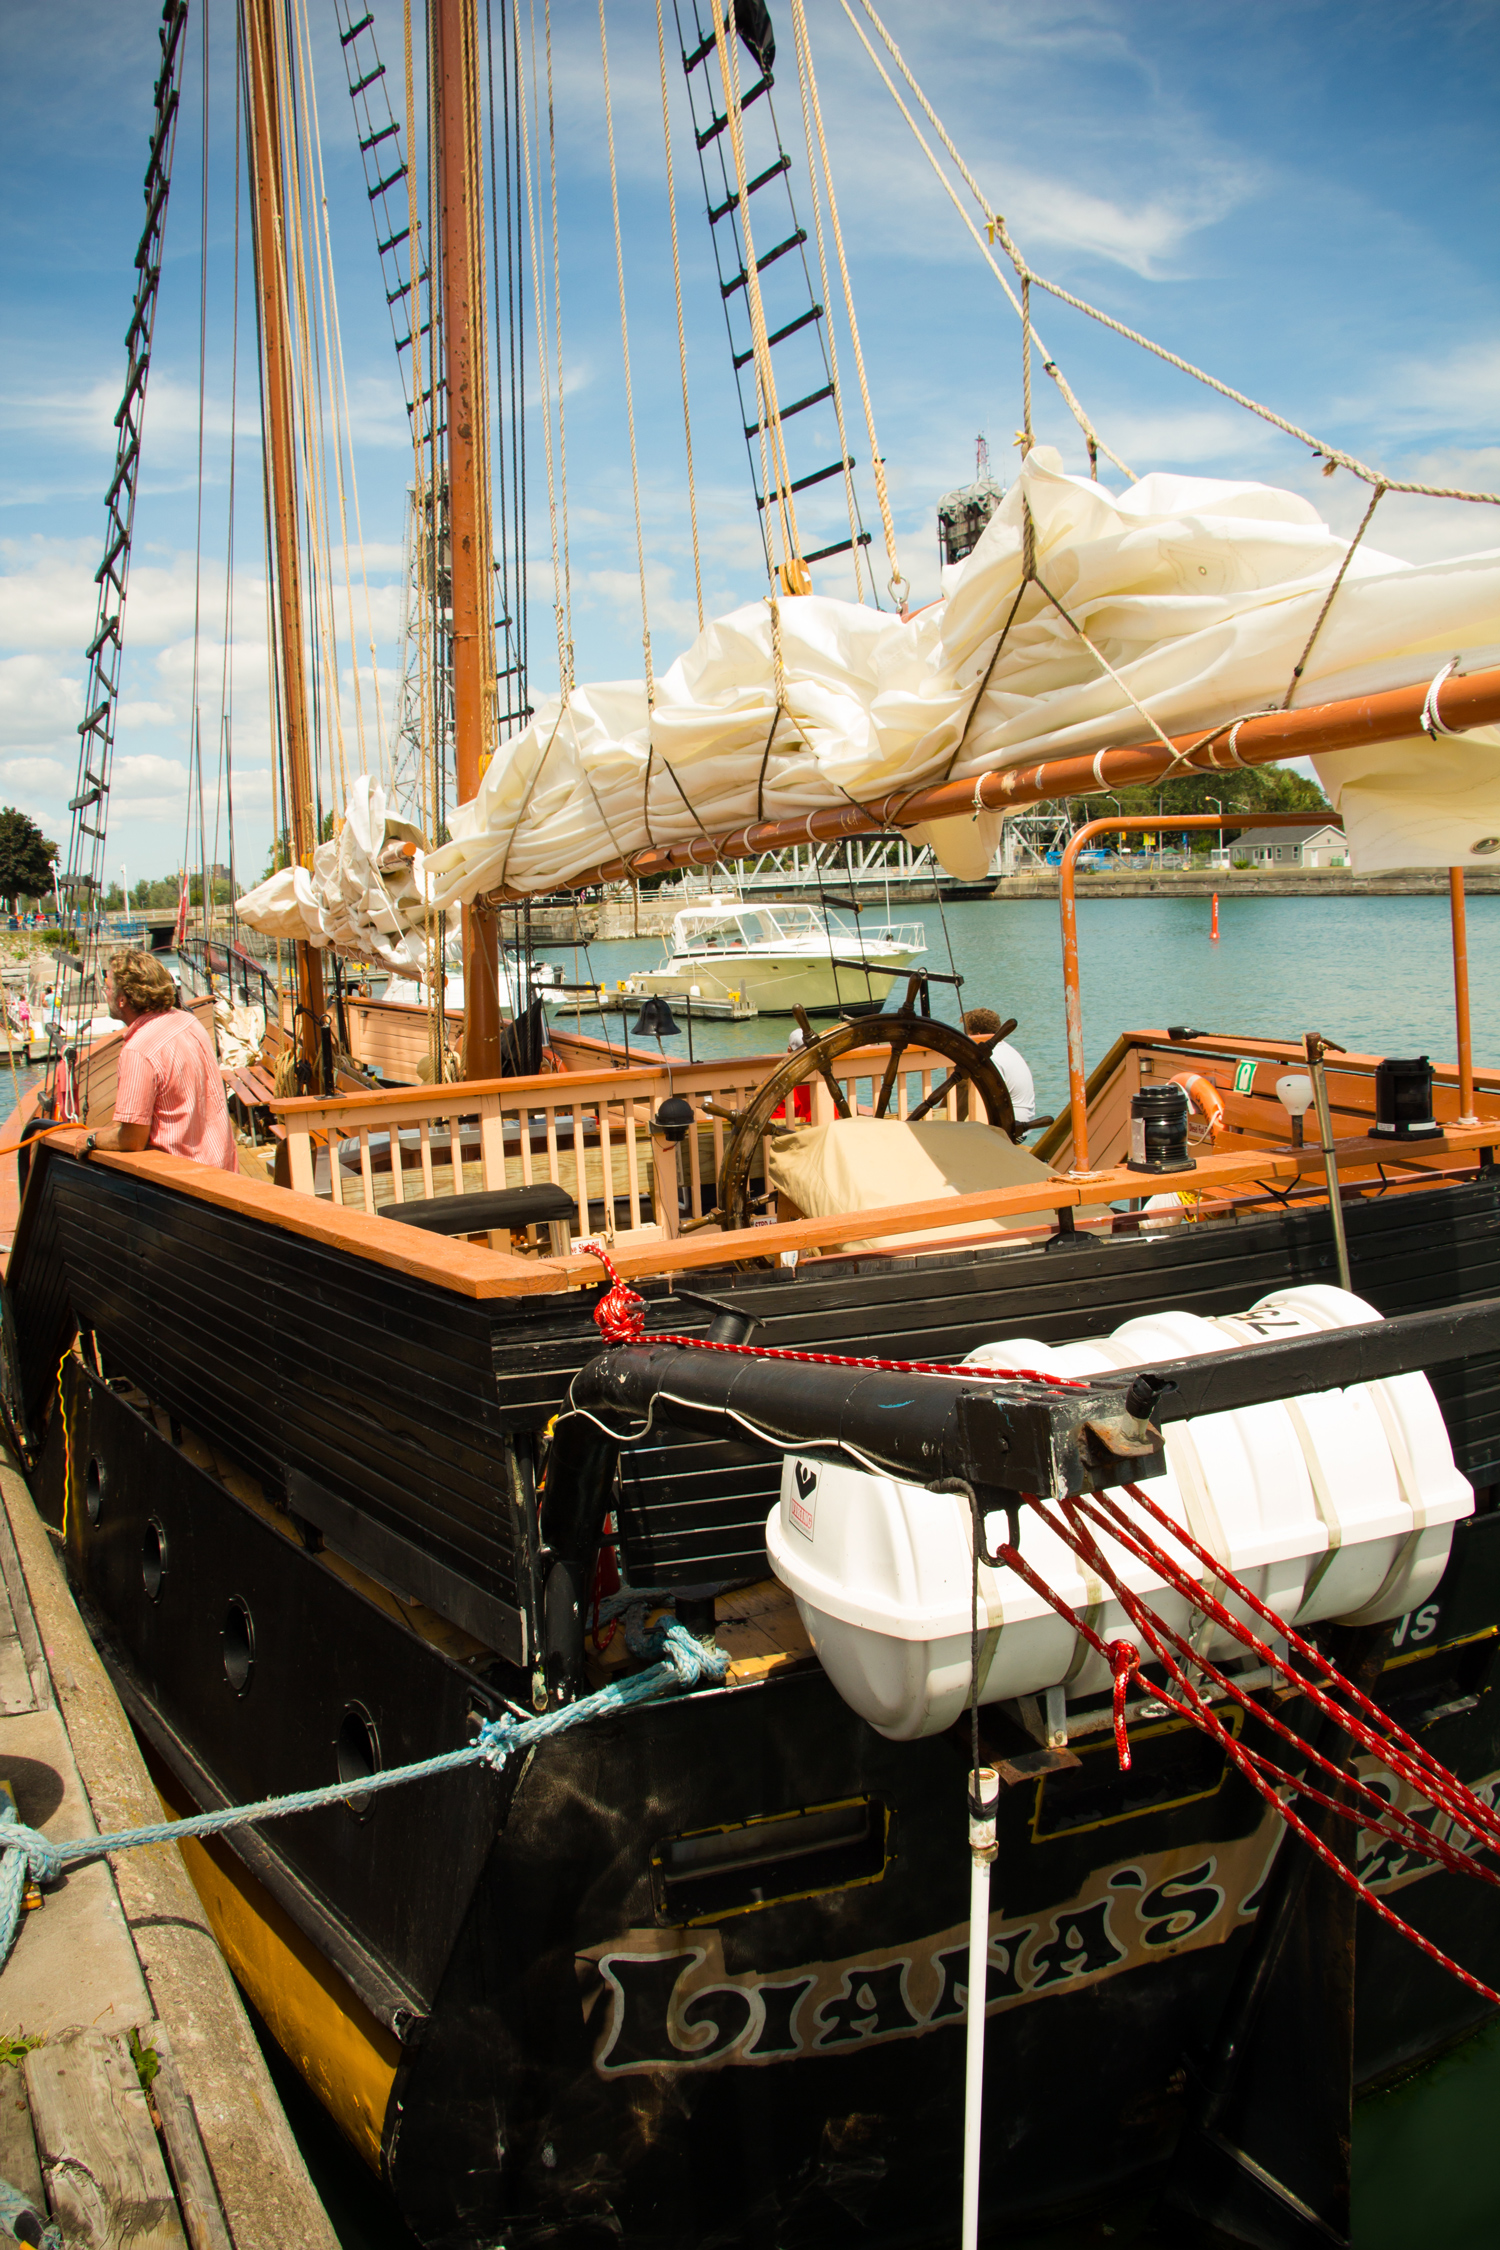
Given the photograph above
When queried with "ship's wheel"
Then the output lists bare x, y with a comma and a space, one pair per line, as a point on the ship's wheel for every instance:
969, 1058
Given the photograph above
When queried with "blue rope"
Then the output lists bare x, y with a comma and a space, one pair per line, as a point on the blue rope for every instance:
683, 1662
20, 2219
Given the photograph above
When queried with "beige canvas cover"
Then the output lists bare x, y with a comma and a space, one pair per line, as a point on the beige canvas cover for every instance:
870, 1163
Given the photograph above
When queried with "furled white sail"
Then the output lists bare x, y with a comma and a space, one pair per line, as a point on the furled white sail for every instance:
360, 896
1199, 593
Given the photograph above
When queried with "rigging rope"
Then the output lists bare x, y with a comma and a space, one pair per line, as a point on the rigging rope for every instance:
846, 464
1091, 435
687, 424
562, 428
682, 1661
811, 102
539, 296
1332, 456
1301, 664
776, 475
620, 1316
635, 474
343, 426
1384, 1739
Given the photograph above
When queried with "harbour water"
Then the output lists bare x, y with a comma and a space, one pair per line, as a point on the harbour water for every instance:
1373, 974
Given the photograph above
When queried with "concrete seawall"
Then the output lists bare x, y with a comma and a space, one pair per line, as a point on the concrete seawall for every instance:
1231, 884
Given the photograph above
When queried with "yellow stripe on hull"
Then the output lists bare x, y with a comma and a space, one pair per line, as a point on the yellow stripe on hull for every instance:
346, 2056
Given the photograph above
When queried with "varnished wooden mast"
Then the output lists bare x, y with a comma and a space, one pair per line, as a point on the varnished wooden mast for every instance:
455, 48
264, 140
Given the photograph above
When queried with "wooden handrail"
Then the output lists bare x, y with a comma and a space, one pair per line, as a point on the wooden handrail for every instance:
477, 1273
600, 1111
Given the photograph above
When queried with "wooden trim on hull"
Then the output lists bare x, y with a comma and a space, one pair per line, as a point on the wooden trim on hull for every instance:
471, 1272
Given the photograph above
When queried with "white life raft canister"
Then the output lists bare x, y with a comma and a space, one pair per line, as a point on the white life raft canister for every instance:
1337, 1505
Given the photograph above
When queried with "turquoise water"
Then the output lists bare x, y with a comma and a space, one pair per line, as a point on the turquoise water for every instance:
1373, 974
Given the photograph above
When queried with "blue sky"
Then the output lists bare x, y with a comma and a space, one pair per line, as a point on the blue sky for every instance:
1302, 197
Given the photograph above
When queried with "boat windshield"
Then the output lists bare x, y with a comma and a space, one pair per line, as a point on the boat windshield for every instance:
735, 929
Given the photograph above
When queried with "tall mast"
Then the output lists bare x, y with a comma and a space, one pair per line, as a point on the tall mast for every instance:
456, 83
264, 141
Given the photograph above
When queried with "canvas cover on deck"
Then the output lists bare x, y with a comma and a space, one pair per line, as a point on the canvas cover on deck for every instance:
871, 1163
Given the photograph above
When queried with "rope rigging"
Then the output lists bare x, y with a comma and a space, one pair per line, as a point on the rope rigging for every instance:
776, 476
81, 884
898, 586
1332, 456
687, 421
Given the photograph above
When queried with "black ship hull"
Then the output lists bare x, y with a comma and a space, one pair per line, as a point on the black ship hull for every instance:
567, 2003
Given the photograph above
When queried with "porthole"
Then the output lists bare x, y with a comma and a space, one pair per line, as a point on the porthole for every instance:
153, 1559
93, 1488
357, 1750
238, 1634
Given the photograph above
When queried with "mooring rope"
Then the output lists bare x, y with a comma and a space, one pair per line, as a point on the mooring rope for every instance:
683, 1661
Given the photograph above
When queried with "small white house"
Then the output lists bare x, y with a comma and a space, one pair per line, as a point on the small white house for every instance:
1313, 846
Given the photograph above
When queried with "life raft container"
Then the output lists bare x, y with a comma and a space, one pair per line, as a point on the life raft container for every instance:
1338, 1505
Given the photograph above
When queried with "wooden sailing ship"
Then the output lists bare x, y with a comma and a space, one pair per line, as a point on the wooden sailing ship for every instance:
335, 1488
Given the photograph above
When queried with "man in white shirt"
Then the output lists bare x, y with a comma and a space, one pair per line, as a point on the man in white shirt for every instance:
1012, 1065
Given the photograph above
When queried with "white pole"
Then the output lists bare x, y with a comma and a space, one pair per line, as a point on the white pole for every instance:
985, 1792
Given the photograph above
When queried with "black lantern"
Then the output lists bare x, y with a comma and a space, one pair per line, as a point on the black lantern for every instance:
1403, 1100
674, 1119
1158, 1130
655, 1020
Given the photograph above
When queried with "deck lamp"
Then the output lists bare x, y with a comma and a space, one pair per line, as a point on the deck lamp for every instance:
1158, 1130
1295, 1094
1403, 1100
655, 1021
673, 1120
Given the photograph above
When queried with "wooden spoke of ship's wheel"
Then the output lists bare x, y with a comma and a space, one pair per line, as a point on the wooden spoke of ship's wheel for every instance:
970, 1062
986, 1046
811, 1047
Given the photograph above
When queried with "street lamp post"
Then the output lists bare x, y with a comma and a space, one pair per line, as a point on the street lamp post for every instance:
1219, 809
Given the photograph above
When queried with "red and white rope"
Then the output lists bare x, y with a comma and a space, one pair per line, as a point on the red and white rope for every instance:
621, 1318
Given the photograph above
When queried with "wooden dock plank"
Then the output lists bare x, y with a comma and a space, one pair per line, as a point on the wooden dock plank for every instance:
104, 2172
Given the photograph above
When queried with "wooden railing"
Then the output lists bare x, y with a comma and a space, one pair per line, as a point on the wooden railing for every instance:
589, 1133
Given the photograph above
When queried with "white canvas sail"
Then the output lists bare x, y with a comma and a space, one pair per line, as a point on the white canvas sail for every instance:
1199, 593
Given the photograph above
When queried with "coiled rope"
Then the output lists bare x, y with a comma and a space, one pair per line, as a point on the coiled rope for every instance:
682, 1662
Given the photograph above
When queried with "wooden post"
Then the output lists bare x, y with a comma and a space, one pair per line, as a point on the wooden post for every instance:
1459, 912
459, 176
264, 144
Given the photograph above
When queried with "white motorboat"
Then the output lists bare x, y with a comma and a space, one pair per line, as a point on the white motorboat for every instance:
780, 957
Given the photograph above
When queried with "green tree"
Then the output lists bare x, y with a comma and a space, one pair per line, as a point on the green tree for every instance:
26, 858
1255, 789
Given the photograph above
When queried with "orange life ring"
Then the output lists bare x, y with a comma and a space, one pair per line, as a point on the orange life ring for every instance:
1204, 1096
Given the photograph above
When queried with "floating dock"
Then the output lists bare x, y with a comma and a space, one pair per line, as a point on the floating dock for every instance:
601, 1001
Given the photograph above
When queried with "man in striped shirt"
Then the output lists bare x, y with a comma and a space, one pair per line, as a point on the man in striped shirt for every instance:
170, 1095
